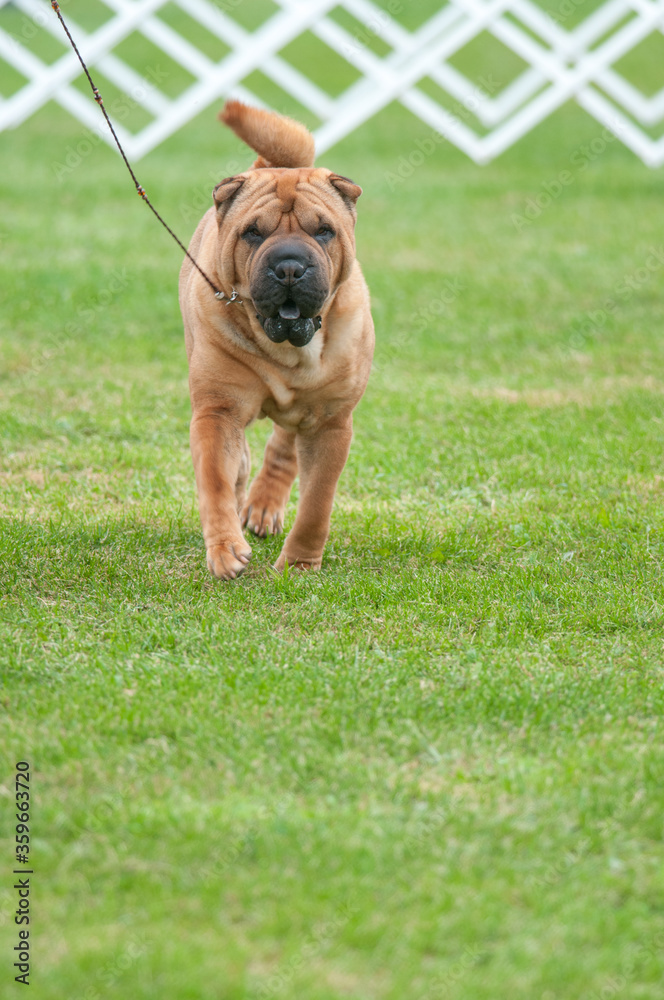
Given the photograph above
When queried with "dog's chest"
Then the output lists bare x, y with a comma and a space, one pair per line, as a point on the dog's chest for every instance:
305, 398
301, 412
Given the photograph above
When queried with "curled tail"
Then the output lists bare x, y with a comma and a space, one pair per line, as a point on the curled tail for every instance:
279, 141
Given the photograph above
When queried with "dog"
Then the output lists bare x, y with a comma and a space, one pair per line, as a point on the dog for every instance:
291, 340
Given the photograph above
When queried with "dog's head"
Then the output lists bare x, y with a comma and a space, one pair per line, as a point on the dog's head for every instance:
286, 241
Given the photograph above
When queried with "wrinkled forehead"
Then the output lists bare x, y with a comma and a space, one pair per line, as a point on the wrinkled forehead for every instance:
275, 192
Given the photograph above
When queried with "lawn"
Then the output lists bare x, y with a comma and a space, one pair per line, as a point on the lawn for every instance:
435, 769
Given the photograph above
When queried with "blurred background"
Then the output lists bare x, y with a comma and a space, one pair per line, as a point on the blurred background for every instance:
482, 74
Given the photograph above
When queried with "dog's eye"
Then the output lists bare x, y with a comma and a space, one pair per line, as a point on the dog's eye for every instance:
324, 233
252, 235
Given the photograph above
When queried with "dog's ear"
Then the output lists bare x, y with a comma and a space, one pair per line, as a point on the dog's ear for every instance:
224, 193
349, 191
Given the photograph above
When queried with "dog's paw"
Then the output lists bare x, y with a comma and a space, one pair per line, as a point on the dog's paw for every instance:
228, 560
262, 515
294, 562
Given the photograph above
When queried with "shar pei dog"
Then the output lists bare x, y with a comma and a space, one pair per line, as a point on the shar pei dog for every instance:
292, 340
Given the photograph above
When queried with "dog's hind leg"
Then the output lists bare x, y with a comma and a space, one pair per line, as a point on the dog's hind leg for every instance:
263, 512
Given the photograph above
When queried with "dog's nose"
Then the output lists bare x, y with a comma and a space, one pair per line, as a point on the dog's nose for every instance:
289, 270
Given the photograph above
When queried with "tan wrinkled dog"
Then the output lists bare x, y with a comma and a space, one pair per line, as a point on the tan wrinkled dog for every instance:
297, 348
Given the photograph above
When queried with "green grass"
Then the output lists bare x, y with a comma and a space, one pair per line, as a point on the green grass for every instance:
434, 769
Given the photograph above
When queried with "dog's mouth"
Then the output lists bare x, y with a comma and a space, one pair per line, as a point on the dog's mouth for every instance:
289, 325
289, 310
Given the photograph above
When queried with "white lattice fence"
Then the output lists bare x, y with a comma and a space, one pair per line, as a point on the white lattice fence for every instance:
559, 64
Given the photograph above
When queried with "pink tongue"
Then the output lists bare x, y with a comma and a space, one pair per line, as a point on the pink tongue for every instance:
289, 311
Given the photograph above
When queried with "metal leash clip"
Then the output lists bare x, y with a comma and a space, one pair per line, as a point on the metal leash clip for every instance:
234, 297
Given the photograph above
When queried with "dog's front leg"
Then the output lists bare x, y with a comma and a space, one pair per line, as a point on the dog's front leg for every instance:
320, 458
217, 449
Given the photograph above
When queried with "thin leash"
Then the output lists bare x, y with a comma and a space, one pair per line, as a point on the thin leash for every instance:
140, 190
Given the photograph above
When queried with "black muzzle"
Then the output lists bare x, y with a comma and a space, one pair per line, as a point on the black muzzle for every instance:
297, 332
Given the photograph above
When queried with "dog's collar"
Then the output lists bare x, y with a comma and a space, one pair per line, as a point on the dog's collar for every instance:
233, 297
